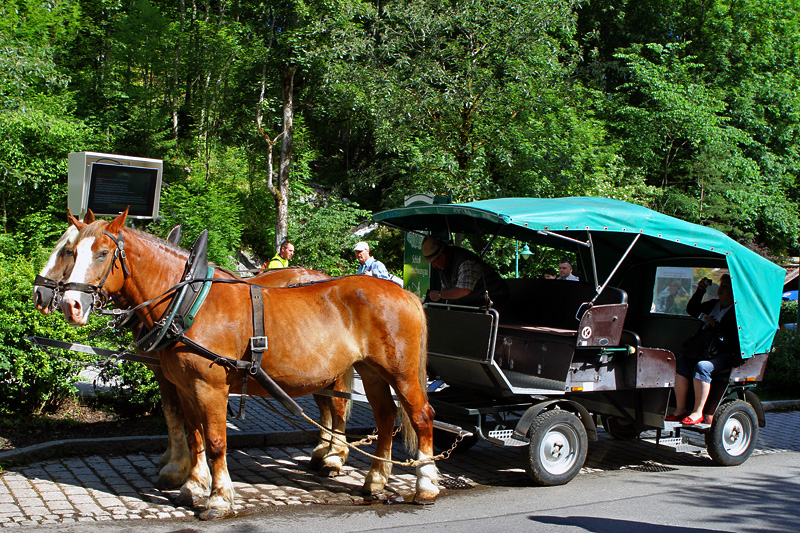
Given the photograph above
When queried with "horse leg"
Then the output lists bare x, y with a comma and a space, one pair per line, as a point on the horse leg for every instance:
385, 411
212, 404
419, 416
331, 452
175, 463
197, 486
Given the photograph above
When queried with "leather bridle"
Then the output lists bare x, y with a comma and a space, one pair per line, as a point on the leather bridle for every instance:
99, 296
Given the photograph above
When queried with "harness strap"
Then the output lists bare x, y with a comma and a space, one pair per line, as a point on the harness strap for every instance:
272, 388
258, 343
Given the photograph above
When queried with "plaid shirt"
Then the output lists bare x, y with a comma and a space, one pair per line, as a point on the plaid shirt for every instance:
469, 273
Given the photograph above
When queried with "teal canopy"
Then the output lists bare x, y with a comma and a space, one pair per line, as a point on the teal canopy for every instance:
612, 225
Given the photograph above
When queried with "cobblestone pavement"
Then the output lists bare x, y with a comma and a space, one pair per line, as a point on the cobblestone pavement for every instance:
113, 487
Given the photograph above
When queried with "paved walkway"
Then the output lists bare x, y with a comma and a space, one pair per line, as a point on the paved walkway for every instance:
267, 460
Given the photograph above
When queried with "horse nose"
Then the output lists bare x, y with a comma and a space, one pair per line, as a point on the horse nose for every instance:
42, 298
72, 309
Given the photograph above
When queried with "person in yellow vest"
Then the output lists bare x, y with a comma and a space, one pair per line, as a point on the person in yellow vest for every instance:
281, 259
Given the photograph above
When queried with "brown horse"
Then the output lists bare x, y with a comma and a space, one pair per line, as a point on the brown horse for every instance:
174, 465
316, 333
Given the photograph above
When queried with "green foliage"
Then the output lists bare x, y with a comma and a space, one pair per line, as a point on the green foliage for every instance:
788, 313
783, 368
321, 233
31, 381
133, 389
199, 206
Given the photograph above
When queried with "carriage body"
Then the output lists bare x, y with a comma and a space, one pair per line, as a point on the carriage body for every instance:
559, 356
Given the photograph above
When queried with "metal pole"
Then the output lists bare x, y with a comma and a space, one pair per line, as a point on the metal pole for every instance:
516, 254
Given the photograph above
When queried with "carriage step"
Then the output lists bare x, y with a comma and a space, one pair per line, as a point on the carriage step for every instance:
680, 444
505, 437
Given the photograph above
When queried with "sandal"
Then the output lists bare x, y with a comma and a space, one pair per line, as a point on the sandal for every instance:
675, 417
692, 422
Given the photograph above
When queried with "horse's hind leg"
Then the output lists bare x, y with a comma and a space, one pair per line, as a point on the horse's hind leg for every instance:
385, 411
175, 463
419, 415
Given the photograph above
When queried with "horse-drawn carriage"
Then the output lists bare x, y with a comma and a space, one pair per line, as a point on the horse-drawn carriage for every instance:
560, 356
536, 374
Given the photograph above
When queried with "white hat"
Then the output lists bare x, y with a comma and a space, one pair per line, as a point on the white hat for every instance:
361, 246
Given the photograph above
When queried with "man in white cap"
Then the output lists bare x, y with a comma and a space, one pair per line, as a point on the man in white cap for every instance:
368, 264
465, 277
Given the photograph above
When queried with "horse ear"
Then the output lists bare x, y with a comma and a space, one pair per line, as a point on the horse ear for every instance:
89, 218
116, 225
74, 221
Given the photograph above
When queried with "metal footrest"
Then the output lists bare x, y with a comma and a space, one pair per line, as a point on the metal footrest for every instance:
680, 444
505, 437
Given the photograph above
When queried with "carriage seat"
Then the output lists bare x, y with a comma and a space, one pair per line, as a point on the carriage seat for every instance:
552, 303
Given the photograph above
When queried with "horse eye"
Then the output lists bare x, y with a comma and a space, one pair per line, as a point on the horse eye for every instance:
102, 254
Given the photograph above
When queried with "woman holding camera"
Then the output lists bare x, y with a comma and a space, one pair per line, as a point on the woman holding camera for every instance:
719, 315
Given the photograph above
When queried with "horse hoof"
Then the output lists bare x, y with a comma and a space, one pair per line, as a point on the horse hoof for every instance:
424, 500
215, 514
187, 499
165, 483
330, 471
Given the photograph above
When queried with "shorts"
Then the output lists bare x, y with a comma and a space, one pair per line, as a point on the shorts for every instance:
704, 370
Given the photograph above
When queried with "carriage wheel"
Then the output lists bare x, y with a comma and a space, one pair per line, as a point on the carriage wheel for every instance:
733, 434
557, 448
620, 428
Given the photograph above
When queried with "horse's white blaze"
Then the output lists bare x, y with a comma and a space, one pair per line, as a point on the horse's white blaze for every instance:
68, 237
83, 260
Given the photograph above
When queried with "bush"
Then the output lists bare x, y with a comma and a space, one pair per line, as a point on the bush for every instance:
30, 380
783, 368
788, 314
33, 381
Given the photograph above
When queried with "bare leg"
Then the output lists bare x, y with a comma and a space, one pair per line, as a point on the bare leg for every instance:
701, 391
681, 393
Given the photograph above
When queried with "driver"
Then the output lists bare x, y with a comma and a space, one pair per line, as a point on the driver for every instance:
465, 277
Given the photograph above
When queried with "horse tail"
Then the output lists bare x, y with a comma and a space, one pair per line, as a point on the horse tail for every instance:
409, 435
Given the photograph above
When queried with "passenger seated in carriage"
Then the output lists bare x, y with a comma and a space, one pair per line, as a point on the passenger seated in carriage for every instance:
465, 277
720, 316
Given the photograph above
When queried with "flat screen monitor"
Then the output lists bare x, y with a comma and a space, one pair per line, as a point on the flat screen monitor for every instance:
112, 188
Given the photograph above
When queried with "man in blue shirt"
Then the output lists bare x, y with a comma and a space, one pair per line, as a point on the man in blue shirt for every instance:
368, 264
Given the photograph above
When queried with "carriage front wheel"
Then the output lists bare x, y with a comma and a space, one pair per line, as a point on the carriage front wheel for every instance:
733, 434
557, 448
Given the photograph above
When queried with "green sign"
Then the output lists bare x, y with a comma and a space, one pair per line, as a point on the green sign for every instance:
416, 272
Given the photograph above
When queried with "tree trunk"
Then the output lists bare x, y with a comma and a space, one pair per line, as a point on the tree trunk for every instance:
282, 198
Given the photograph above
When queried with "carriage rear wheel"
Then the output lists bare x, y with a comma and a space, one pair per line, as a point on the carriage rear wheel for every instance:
733, 434
557, 448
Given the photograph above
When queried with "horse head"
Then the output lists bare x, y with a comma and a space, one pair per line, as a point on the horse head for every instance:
95, 275
59, 265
